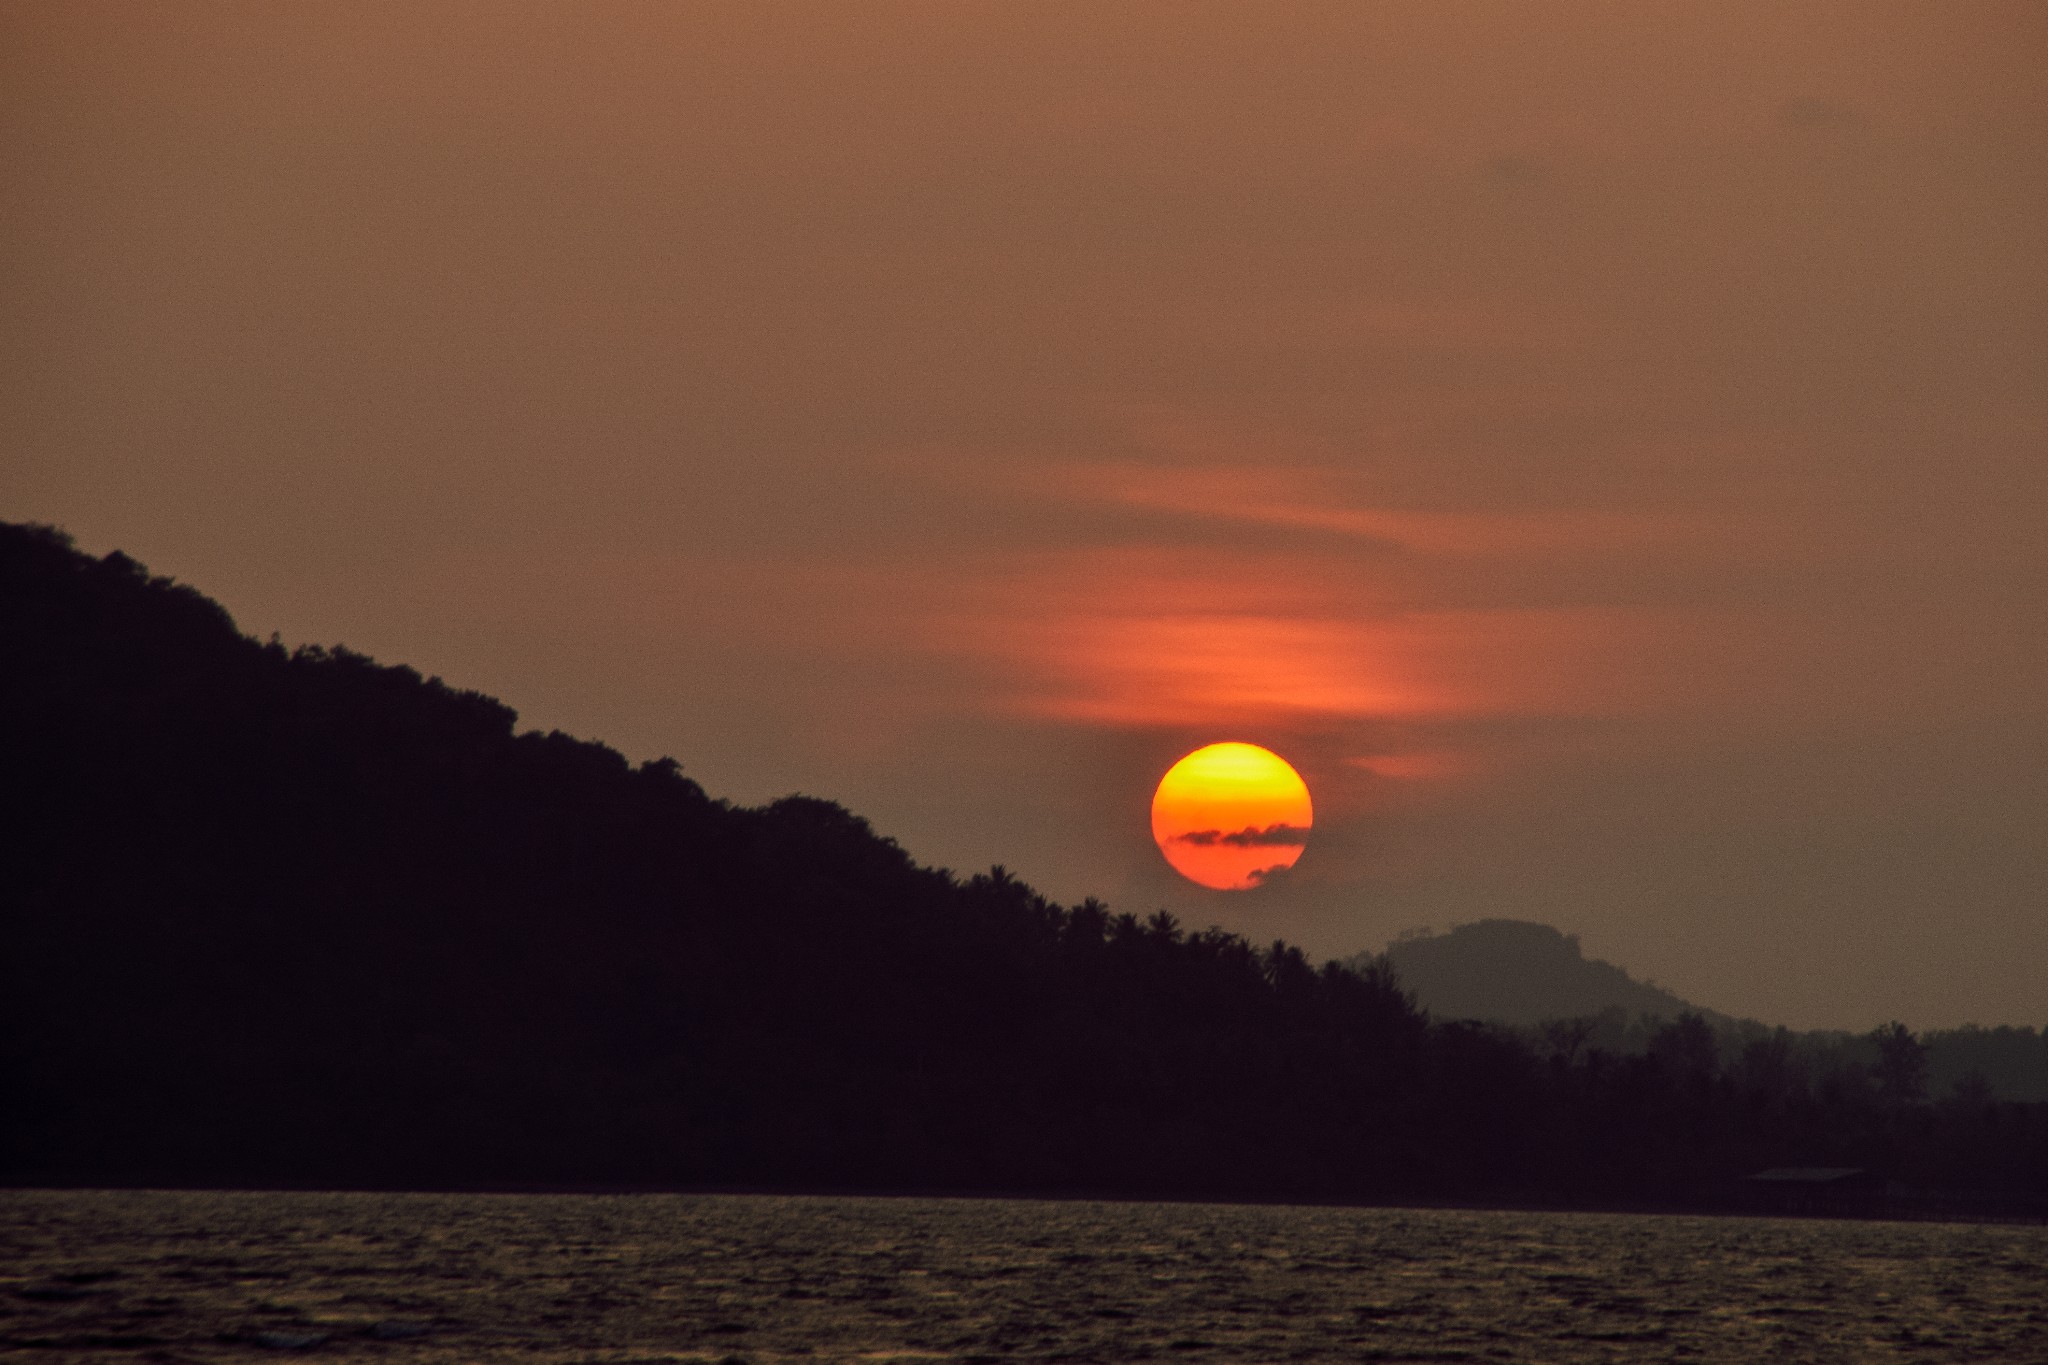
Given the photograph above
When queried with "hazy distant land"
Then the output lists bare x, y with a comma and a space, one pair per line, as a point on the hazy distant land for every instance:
1535, 978
295, 918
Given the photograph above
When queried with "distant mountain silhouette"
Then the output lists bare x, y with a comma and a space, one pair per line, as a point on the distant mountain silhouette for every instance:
1526, 975
1517, 972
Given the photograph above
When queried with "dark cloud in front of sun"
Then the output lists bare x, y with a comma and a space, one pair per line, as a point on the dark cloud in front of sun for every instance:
1270, 836
1266, 876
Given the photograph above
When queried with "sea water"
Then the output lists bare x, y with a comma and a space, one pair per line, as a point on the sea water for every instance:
179, 1276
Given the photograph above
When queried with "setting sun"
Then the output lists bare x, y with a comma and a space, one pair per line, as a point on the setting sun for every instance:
1229, 816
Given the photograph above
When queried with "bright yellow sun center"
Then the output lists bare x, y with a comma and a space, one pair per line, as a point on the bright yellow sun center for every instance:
1231, 815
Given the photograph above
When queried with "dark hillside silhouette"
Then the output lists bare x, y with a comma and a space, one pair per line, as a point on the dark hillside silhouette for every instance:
296, 917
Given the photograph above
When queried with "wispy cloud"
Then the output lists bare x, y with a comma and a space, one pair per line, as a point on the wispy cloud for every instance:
1249, 837
1317, 500
1157, 637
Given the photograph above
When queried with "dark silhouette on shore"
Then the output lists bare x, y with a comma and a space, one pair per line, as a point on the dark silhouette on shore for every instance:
293, 917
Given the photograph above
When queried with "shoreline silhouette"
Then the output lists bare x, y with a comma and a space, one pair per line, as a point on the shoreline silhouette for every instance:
295, 918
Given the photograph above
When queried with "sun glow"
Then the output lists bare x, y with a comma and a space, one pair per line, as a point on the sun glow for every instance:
1229, 816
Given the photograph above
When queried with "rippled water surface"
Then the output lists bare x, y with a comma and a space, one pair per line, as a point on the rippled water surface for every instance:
203, 1276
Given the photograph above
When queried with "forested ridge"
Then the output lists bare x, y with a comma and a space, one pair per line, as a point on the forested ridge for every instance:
293, 917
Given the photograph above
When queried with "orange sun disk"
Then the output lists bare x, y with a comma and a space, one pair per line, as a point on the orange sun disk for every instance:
1229, 816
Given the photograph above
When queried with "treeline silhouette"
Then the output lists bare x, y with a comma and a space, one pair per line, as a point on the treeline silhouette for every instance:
292, 917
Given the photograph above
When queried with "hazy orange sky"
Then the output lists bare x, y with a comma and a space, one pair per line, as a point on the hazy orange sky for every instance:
1601, 445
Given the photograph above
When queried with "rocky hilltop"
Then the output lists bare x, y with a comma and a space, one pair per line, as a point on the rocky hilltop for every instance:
1516, 972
